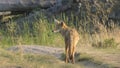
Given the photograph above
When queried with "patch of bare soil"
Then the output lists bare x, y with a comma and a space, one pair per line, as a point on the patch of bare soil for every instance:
54, 51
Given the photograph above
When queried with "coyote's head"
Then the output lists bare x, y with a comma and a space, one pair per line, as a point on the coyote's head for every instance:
59, 25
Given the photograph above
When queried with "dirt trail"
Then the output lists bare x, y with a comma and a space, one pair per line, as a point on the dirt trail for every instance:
38, 50
53, 51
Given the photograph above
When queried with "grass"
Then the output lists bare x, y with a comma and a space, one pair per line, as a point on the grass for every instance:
37, 30
28, 33
107, 43
20, 60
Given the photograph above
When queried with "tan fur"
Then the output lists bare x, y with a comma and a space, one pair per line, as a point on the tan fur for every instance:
71, 38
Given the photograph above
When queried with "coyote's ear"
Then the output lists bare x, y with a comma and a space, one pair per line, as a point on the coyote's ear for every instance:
56, 21
62, 23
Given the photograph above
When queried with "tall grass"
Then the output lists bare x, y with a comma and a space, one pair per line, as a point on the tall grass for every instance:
27, 33
37, 30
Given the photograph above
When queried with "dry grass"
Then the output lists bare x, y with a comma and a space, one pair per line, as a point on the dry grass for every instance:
102, 37
21, 60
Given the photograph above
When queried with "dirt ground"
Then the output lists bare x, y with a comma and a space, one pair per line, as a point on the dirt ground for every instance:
111, 58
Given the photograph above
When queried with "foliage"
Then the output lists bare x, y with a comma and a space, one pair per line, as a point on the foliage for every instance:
36, 29
36, 32
107, 43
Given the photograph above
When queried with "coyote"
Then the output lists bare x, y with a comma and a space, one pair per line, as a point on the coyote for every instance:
71, 38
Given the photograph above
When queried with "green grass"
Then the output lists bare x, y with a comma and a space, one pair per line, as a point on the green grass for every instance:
29, 33
37, 30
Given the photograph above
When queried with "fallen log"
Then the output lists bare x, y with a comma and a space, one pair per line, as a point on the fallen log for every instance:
20, 6
23, 5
